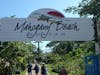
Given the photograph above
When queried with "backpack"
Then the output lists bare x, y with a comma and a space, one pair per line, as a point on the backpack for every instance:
29, 66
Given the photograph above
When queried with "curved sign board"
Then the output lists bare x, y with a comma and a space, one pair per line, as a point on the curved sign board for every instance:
46, 24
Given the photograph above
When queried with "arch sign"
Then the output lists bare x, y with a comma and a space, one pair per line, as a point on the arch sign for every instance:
46, 24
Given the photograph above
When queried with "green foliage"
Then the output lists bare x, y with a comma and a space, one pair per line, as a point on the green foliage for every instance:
22, 73
49, 66
60, 47
73, 61
15, 53
86, 7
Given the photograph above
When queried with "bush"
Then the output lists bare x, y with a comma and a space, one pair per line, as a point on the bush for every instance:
55, 70
17, 72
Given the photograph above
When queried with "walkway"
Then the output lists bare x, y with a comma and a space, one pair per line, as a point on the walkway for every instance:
33, 72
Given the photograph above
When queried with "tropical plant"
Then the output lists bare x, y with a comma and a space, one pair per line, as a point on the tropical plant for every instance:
14, 54
86, 7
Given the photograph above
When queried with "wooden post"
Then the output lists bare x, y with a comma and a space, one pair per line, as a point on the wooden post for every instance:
98, 47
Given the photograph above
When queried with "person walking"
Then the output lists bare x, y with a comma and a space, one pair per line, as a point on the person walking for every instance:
63, 71
44, 70
36, 68
29, 69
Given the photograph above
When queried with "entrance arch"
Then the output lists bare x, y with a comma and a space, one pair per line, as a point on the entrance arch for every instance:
44, 25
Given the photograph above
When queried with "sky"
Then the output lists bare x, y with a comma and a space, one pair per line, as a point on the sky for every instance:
23, 8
